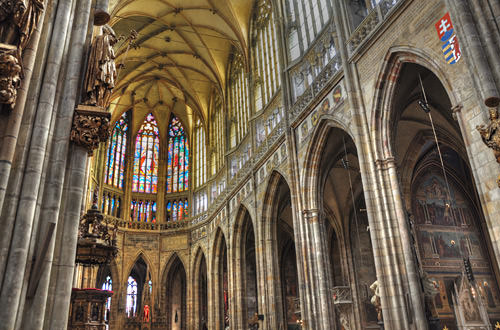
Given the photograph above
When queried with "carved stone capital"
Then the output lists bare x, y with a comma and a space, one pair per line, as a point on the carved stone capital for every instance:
10, 75
90, 127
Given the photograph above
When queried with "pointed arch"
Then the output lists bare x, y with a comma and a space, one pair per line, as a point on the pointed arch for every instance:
220, 280
244, 269
312, 164
200, 290
146, 157
174, 292
277, 232
138, 286
385, 90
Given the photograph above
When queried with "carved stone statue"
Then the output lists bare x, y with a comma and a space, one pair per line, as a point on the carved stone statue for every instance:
375, 300
101, 69
18, 20
491, 135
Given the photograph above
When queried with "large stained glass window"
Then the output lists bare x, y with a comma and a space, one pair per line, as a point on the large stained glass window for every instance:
147, 150
114, 172
177, 157
131, 306
177, 209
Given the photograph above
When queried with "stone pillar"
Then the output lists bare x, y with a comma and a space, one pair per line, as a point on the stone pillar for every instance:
57, 164
316, 246
472, 48
385, 231
14, 256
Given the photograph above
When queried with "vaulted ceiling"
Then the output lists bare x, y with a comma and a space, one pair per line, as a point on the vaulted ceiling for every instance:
182, 56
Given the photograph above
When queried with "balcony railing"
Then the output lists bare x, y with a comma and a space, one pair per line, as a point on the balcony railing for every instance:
322, 79
370, 23
124, 224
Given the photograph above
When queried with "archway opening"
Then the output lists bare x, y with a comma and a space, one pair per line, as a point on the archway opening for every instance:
202, 294
352, 266
138, 289
441, 200
286, 256
176, 296
248, 270
221, 289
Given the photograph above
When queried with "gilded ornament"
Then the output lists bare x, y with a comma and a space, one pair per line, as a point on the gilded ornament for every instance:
490, 133
101, 72
10, 75
90, 127
18, 21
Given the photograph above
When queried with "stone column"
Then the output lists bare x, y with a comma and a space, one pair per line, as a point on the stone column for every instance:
472, 48
56, 167
385, 231
315, 244
13, 260
65, 251
10, 134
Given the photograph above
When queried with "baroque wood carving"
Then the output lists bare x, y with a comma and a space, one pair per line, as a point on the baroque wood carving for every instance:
18, 21
90, 127
490, 133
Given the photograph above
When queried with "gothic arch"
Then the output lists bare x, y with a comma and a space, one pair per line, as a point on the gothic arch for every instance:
140, 255
276, 233
199, 315
311, 167
412, 156
174, 293
244, 268
220, 281
383, 109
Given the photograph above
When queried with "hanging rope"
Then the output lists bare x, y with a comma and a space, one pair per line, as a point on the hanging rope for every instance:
345, 164
425, 107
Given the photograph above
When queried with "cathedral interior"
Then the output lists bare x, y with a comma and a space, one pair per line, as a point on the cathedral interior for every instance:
249, 164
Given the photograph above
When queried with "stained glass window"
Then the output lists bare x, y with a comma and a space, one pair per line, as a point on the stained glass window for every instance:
147, 150
114, 172
111, 204
131, 305
107, 285
177, 210
177, 158
143, 210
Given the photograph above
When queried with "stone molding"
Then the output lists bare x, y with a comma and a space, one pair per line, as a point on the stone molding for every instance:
90, 127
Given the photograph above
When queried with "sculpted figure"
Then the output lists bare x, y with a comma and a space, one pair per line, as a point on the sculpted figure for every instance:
18, 20
375, 300
101, 70
491, 135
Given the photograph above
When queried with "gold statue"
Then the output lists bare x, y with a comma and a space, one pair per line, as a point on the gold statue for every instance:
101, 70
18, 20
491, 135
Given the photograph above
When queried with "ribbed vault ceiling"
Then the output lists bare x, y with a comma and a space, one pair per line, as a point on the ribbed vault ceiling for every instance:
183, 53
